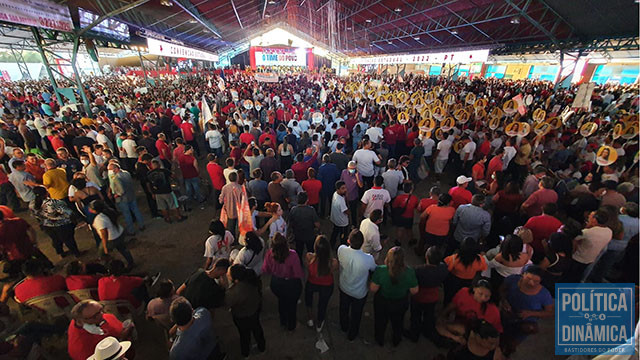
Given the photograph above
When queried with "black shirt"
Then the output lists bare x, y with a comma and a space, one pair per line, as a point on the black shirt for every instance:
71, 166
203, 291
431, 275
340, 159
302, 219
160, 181
150, 145
81, 141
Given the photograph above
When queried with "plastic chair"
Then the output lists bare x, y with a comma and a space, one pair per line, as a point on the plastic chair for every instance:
122, 309
48, 305
84, 294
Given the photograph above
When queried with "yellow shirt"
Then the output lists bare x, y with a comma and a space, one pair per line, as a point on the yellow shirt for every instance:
522, 157
55, 180
86, 121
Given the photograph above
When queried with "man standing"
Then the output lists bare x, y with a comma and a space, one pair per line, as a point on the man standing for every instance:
276, 191
269, 164
303, 221
70, 164
442, 155
194, 338
231, 198
55, 180
471, 220
22, 181
339, 214
159, 185
459, 194
339, 158
216, 174
291, 188
123, 191
544, 195
392, 178
353, 181
328, 174
366, 161
355, 268
164, 151
191, 174
588, 246
375, 198
371, 233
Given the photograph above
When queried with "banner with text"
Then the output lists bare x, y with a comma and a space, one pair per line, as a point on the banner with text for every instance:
452, 57
163, 48
39, 13
280, 56
266, 77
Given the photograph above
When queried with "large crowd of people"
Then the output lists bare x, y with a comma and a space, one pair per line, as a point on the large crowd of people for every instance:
314, 185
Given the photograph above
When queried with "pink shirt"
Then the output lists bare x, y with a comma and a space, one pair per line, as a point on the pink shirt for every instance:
290, 269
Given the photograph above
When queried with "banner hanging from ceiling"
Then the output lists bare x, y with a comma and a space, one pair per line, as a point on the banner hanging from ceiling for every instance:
39, 13
163, 48
281, 56
452, 57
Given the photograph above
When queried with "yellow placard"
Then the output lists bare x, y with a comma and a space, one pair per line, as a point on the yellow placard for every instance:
539, 114
587, 129
606, 156
555, 122
470, 98
542, 128
448, 123
461, 115
494, 123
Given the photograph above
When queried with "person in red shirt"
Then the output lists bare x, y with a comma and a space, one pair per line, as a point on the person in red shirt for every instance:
542, 226
459, 194
391, 138
177, 119
404, 205
495, 164
186, 128
312, 186
190, 174
300, 167
39, 283
56, 140
485, 147
267, 134
434, 195
89, 326
18, 244
469, 304
544, 195
477, 173
164, 150
246, 137
120, 287
35, 166
179, 149
78, 278
216, 174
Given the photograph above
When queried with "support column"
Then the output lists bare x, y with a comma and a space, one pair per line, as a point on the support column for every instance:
144, 69
74, 57
47, 66
22, 66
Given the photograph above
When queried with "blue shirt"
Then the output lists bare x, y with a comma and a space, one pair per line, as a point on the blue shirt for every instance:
328, 174
520, 301
197, 342
630, 226
355, 266
258, 188
471, 221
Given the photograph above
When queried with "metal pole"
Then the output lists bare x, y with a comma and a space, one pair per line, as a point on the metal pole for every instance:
47, 66
74, 57
144, 70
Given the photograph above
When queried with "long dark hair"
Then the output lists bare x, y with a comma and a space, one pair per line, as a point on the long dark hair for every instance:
41, 195
101, 208
469, 252
216, 227
244, 274
322, 249
511, 247
481, 283
279, 248
253, 242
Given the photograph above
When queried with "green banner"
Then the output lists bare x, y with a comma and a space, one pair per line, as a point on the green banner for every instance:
69, 94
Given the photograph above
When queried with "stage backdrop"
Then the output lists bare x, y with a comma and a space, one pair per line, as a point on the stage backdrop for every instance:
280, 56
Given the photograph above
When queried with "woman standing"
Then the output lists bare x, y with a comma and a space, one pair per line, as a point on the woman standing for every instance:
286, 278
111, 233
278, 225
391, 283
463, 267
54, 217
438, 221
321, 268
252, 254
285, 150
245, 300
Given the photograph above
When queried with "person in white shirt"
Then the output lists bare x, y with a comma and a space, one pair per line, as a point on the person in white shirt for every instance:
392, 178
129, 151
442, 154
375, 198
428, 144
366, 160
214, 138
371, 232
509, 153
339, 214
466, 154
588, 246
496, 143
355, 268
375, 134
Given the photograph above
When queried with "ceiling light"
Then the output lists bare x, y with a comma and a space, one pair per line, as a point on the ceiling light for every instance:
267, 15
272, 2
515, 20
193, 21
166, 2
349, 28
454, 32
368, 20
390, 42
398, 10
417, 38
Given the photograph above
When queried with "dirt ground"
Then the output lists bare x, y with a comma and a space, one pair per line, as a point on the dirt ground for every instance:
176, 250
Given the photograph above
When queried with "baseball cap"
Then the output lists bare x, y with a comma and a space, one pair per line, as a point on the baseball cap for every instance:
463, 179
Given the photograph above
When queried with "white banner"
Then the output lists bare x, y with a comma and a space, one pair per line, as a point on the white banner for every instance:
281, 56
267, 77
452, 57
163, 48
583, 96
39, 13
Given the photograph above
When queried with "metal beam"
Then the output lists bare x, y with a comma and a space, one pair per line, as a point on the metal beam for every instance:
235, 11
111, 14
264, 7
533, 22
412, 14
45, 61
196, 15
363, 5
74, 58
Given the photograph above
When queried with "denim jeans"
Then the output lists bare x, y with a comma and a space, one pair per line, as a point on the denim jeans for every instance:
129, 210
324, 294
193, 188
351, 314
288, 292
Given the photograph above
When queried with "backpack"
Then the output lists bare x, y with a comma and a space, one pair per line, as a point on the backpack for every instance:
157, 180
